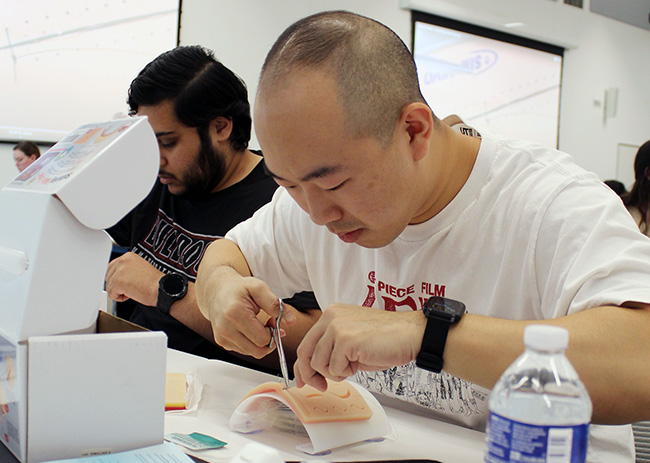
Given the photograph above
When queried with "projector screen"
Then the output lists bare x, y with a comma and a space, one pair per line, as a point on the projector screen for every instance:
66, 63
492, 80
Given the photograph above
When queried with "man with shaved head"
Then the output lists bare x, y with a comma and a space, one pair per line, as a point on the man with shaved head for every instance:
384, 207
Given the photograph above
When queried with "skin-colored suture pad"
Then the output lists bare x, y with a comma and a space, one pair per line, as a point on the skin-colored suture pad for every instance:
341, 402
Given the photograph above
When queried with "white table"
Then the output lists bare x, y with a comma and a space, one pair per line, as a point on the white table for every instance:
418, 437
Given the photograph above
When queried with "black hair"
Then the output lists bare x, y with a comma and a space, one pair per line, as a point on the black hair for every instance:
616, 186
639, 195
201, 88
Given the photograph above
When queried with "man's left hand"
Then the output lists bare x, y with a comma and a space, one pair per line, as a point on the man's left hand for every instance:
349, 338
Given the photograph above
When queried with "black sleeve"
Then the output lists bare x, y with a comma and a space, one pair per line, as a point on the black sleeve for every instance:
121, 232
130, 229
303, 301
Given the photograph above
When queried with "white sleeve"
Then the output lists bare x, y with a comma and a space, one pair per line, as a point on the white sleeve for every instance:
597, 257
273, 246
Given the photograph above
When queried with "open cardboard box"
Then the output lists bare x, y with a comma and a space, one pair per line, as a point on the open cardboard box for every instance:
75, 381
84, 394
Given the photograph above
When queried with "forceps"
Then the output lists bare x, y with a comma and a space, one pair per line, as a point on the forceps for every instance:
275, 336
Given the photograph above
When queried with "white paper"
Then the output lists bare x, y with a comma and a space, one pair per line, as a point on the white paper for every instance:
163, 453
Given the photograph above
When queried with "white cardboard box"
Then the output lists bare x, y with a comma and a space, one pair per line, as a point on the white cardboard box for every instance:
67, 387
88, 394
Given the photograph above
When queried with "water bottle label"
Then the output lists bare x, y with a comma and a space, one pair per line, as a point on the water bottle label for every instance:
510, 441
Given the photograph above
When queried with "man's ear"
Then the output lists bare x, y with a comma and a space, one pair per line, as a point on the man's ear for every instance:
220, 128
417, 121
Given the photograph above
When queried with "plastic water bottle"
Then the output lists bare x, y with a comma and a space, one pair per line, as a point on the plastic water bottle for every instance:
539, 409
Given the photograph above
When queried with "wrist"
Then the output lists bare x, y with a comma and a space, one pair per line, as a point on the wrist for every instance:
153, 291
209, 285
420, 324
208, 278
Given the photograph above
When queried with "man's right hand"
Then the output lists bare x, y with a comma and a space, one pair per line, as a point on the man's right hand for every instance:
240, 312
239, 307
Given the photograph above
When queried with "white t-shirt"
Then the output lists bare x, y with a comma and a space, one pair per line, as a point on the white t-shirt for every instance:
636, 215
529, 236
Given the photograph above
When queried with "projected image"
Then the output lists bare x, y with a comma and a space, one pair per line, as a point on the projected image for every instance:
490, 83
68, 63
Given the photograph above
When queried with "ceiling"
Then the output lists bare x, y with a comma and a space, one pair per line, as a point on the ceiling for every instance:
635, 12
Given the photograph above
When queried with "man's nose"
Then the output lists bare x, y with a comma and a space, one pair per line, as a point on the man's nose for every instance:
322, 210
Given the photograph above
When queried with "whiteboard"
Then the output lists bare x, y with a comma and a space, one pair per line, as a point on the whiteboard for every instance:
490, 83
65, 63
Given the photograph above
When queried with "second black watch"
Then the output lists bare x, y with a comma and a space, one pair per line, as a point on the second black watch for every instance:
441, 313
171, 288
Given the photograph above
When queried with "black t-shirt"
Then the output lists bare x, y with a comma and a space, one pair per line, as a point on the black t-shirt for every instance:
172, 233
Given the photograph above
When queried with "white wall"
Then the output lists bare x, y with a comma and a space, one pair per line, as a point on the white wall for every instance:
7, 167
604, 53
610, 54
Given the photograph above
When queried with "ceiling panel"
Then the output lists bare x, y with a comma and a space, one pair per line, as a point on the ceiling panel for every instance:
635, 12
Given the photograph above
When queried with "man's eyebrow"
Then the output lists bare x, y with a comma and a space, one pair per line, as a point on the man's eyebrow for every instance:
318, 173
162, 134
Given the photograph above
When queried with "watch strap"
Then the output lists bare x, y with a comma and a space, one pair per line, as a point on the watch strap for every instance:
165, 301
433, 345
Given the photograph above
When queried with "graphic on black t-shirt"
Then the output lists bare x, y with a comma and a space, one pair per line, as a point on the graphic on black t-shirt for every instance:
170, 247
172, 233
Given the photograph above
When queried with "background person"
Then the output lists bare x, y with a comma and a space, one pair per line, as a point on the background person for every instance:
25, 153
383, 206
616, 186
637, 200
208, 182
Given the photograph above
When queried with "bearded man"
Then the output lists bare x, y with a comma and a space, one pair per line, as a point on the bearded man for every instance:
208, 182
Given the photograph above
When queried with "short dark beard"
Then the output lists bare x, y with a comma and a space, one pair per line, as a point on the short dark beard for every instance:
207, 171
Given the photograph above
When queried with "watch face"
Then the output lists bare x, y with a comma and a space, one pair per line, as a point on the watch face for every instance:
443, 308
173, 285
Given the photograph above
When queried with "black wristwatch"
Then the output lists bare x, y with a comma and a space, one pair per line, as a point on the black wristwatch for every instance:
171, 288
441, 313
